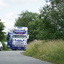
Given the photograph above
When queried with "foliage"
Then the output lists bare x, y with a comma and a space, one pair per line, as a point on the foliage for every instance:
30, 20
52, 17
50, 50
25, 18
2, 36
49, 24
1, 31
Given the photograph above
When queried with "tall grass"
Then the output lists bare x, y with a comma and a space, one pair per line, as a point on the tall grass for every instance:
51, 50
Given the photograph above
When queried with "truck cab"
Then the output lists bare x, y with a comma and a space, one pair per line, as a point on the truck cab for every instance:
18, 38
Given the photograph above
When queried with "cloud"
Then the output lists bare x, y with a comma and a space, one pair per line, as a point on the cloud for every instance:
10, 19
8, 25
14, 7
10, 15
2, 3
23, 1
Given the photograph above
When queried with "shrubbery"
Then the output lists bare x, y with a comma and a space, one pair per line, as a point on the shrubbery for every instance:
52, 50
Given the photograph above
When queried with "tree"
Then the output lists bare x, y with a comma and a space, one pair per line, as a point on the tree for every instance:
52, 20
49, 24
30, 20
25, 18
58, 16
1, 31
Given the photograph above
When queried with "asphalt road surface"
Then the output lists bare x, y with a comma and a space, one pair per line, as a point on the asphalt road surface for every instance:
16, 57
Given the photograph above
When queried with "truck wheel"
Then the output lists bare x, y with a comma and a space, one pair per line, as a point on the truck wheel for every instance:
13, 49
24, 48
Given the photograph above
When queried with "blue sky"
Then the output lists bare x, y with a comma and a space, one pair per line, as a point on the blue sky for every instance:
9, 9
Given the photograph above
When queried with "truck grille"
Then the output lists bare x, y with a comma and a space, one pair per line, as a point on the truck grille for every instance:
19, 43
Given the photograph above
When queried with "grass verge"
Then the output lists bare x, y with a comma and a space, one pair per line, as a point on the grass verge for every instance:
51, 50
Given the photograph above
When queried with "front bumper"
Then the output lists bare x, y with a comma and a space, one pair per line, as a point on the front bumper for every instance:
18, 48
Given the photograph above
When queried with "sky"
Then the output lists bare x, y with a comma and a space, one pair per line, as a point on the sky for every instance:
10, 10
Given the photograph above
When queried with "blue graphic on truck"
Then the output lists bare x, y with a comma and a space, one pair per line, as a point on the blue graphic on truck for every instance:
17, 38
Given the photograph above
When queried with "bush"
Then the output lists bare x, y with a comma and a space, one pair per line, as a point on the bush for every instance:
51, 50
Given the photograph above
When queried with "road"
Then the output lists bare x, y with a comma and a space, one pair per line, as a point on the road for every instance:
16, 57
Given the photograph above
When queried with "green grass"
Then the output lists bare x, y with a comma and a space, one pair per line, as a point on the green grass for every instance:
51, 50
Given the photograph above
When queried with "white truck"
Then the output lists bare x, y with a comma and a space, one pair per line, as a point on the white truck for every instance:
17, 38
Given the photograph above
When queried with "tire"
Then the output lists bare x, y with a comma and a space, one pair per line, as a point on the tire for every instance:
13, 49
24, 48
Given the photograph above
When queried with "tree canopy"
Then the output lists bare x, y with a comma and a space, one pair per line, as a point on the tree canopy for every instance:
1, 31
30, 20
52, 17
49, 24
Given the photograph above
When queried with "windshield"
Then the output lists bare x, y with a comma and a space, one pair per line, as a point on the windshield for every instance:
19, 36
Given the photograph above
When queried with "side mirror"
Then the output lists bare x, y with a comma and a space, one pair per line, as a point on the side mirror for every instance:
27, 36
